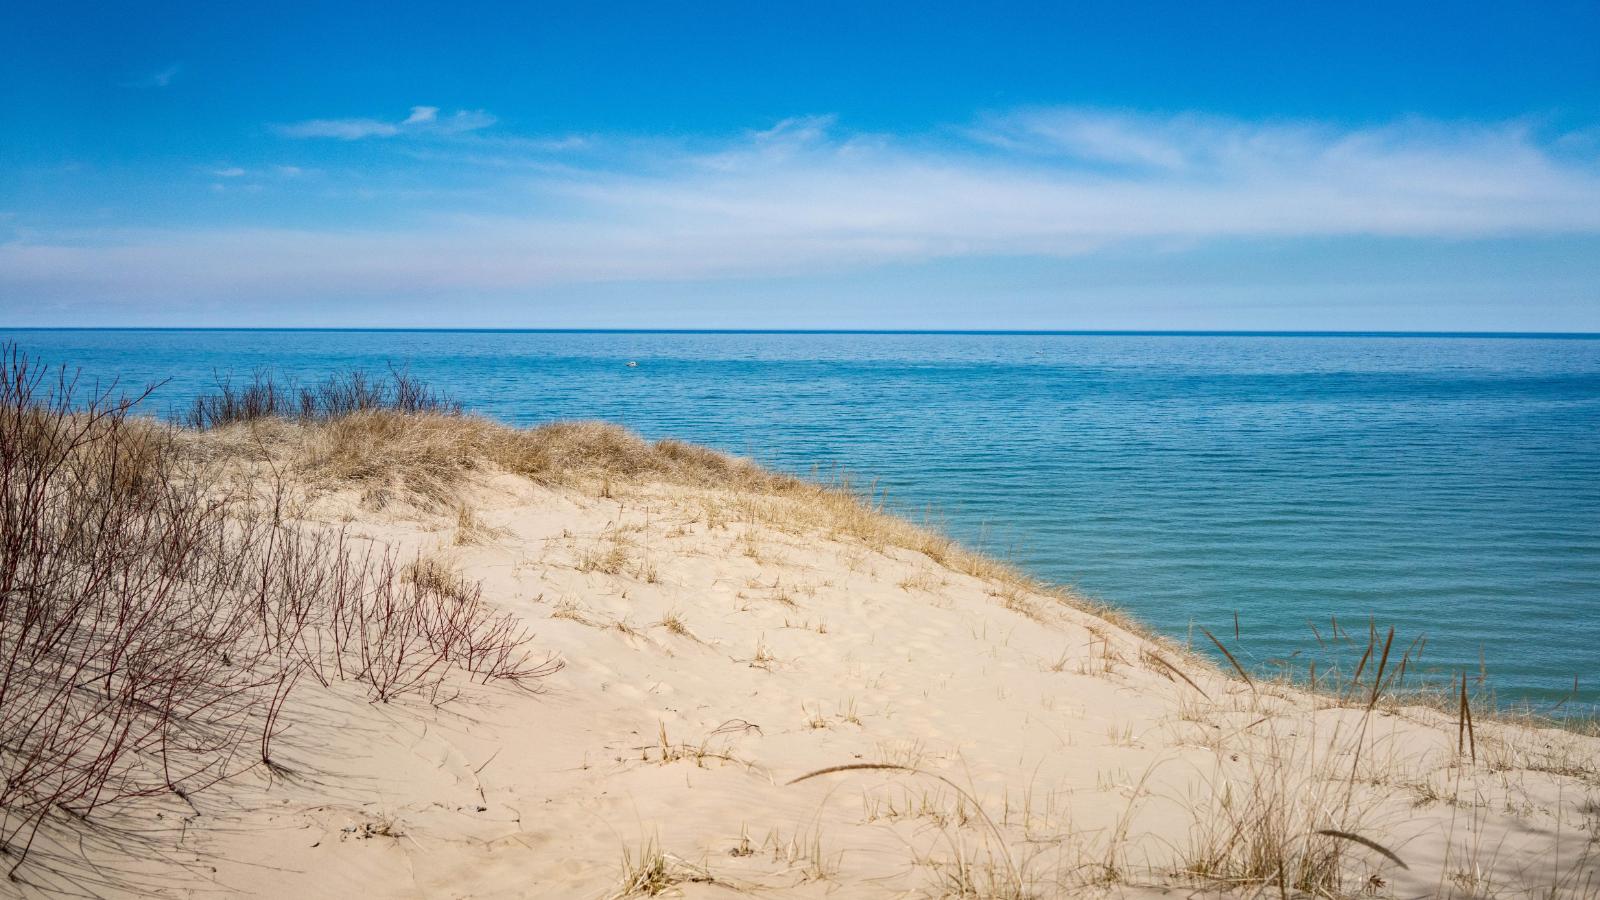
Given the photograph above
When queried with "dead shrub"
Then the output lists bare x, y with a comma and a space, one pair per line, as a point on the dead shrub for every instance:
154, 627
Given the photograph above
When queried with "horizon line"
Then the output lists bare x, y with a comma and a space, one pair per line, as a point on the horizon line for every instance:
999, 332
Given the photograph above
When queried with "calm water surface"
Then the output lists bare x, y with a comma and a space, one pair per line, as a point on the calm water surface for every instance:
1444, 485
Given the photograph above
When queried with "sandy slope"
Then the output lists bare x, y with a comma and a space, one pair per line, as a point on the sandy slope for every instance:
713, 657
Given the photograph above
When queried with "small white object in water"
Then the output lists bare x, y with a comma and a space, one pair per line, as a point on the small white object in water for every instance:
632, 364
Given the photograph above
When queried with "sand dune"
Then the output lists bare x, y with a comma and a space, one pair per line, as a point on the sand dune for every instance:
722, 643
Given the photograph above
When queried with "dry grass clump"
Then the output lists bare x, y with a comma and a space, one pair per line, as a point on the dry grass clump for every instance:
607, 561
647, 875
652, 873
425, 454
674, 622
472, 530
153, 627
429, 454
1287, 817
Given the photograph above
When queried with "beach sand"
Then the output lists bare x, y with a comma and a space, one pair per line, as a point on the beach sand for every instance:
721, 644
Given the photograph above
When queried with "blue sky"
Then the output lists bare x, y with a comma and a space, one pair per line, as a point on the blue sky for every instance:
1342, 166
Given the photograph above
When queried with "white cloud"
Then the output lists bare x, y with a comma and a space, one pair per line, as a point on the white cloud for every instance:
463, 121
800, 198
343, 129
797, 129
422, 120
1067, 180
233, 175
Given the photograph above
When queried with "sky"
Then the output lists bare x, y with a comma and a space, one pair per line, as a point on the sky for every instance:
1245, 166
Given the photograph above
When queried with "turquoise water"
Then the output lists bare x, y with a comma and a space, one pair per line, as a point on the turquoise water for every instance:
1447, 485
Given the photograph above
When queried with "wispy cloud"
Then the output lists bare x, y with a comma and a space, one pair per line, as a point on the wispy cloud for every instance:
422, 120
158, 79
231, 178
804, 196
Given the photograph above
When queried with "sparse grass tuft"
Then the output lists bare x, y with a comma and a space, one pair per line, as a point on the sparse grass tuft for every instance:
1287, 814
804, 852
673, 621
648, 874
607, 560
921, 581
470, 530
763, 658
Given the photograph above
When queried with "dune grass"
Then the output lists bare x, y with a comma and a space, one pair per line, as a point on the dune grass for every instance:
267, 396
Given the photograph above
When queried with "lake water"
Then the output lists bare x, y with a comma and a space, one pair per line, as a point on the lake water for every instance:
1446, 485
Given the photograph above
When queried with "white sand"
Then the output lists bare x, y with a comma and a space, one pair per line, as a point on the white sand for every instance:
1095, 770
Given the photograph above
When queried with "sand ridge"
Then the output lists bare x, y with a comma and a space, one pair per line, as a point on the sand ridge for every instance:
716, 651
